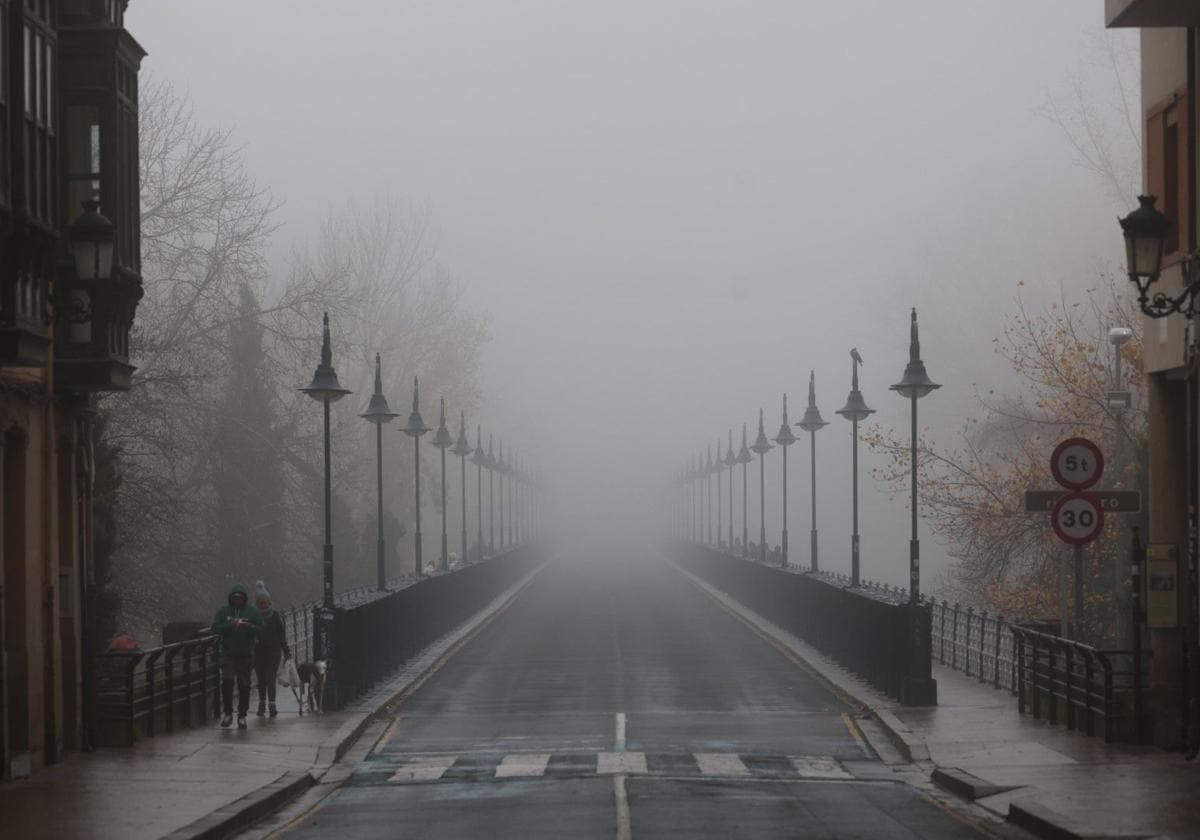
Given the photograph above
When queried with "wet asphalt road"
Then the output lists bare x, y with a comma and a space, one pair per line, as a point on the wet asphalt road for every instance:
613, 699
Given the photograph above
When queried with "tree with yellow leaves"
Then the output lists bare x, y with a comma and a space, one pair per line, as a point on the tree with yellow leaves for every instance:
972, 492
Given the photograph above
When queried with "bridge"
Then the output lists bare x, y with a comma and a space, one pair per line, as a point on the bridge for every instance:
591, 687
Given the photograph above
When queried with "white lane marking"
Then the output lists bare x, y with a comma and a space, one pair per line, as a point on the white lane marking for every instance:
620, 762
624, 828
619, 746
522, 764
426, 768
819, 767
721, 764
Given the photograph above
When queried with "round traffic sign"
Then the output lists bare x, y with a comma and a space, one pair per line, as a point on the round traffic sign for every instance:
1077, 463
1077, 518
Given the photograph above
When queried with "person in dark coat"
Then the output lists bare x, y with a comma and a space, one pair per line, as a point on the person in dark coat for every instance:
272, 648
238, 624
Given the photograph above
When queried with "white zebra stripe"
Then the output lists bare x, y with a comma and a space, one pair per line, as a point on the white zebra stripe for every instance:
608, 763
517, 765
721, 764
425, 768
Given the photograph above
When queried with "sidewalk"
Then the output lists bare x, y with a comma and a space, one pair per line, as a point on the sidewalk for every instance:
1053, 782
205, 783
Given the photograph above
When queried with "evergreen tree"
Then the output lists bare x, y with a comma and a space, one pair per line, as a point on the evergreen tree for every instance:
247, 475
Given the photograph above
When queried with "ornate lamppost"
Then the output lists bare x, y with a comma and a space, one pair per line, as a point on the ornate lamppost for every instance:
761, 447
719, 468
502, 471
744, 457
414, 429
785, 438
914, 385
708, 483
443, 441
855, 410
730, 462
462, 448
327, 390
812, 422
479, 459
378, 412
491, 467
918, 687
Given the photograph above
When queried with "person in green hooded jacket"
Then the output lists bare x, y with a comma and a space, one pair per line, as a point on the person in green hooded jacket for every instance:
238, 624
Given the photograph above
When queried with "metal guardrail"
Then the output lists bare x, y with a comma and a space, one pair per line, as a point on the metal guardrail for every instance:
975, 643
1076, 685
144, 693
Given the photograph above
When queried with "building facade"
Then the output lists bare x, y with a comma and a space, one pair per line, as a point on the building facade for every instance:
69, 286
1170, 40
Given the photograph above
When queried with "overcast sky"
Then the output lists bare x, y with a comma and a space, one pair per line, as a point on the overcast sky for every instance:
671, 211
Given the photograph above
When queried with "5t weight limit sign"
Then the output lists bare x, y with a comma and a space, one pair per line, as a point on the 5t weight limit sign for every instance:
1077, 463
1077, 518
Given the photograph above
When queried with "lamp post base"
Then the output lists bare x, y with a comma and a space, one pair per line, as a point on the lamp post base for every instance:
918, 691
325, 649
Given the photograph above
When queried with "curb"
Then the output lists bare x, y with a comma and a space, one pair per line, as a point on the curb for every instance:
242, 812
912, 748
967, 785
1051, 825
259, 803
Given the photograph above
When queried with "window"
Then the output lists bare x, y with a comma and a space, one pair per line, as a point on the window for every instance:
83, 158
38, 147
1166, 168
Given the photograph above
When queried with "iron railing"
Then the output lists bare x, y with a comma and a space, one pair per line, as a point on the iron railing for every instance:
1075, 685
144, 693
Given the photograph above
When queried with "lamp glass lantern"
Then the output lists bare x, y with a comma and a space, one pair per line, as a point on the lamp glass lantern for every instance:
92, 236
1145, 231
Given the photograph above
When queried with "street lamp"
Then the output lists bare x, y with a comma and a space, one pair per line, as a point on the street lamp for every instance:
479, 459
1146, 231
744, 458
785, 438
718, 468
812, 422
762, 446
491, 466
709, 469
730, 461
414, 429
914, 385
855, 410
443, 441
378, 412
502, 471
326, 389
462, 448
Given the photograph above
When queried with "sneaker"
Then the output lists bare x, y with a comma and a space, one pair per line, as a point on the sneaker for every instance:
274, 711
241, 721
262, 712
227, 721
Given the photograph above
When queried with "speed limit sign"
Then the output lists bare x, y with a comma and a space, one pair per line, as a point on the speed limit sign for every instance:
1077, 463
1078, 518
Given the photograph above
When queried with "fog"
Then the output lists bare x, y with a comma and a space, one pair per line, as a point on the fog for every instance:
671, 211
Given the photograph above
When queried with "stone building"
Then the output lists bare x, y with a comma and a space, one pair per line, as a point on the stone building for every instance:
69, 286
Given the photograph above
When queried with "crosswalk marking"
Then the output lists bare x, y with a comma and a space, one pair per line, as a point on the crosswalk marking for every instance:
424, 768
819, 767
721, 764
478, 767
522, 764
608, 763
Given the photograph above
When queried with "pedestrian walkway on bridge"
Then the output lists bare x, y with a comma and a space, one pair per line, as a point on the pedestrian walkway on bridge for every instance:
976, 744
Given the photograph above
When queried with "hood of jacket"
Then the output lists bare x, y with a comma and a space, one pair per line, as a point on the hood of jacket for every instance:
238, 589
